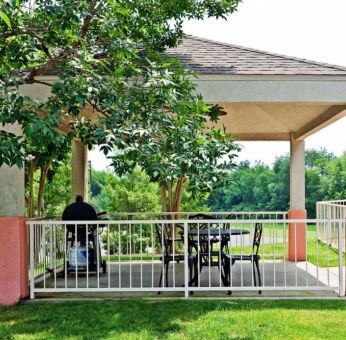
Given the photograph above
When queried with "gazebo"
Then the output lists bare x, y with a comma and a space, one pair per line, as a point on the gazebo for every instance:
267, 97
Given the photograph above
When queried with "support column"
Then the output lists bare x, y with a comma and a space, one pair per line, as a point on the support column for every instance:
13, 233
297, 231
79, 170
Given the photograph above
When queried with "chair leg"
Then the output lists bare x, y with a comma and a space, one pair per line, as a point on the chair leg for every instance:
160, 281
196, 272
167, 273
253, 272
259, 276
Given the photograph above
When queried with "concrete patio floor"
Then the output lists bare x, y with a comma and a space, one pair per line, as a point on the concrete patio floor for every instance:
147, 274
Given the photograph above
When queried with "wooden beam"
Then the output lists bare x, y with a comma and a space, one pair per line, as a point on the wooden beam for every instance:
328, 117
261, 136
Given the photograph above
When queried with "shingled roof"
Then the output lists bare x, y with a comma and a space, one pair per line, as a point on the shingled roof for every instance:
211, 57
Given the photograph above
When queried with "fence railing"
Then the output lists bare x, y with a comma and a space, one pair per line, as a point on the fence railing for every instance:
44, 257
182, 256
330, 210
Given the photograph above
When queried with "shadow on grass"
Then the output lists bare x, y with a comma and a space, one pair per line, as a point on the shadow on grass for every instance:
134, 318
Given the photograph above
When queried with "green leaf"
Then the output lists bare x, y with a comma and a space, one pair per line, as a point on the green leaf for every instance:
5, 18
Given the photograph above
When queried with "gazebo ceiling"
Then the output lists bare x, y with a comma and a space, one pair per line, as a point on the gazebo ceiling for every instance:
266, 96
277, 121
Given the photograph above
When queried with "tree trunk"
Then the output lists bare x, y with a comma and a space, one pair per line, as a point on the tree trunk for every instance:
170, 198
178, 195
163, 197
40, 198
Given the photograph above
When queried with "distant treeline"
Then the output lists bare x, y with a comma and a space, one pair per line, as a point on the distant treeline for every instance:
259, 187
249, 187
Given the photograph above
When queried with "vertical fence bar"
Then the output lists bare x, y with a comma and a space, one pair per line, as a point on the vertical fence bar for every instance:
54, 250
76, 253
241, 258
341, 290
44, 255
285, 240
87, 254
65, 254
130, 242
32, 262
306, 255
98, 251
119, 253
163, 250
108, 264
295, 252
186, 259
220, 241
51, 250
317, 270
230, 257
209, 257
198, 256
328, 246
173, 243
152, 255
263, 266
141, 250
274, 253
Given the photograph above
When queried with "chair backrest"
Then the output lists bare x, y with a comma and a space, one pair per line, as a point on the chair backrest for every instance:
257, 238
164, 234
201, 225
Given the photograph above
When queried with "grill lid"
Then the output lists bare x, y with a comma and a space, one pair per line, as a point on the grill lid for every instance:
80, 211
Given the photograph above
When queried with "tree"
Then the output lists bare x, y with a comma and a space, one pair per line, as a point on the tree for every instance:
97, 48
176, 148
58, 191
46, 148
97, 181
132, 192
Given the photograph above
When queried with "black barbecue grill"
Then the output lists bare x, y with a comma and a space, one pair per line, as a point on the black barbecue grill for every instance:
83, 241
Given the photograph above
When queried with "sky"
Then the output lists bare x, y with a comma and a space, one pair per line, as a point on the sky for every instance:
310, 29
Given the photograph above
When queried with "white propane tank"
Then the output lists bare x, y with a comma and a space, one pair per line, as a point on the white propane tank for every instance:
78, 256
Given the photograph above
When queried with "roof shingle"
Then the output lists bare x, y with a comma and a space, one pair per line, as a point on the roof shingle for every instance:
211, 57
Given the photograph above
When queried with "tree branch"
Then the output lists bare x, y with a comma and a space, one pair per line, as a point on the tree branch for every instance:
87, 20
42, 82
53, 61
29, 32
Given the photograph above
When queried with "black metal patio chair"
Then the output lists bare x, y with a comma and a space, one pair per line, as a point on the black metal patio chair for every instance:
228, 260
203, 246
169, 237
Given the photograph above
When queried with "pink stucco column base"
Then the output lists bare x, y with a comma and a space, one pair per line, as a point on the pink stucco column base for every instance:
297, 236
13, 260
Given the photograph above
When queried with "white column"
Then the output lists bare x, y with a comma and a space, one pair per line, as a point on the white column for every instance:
12, 184
13, 232
297, 231
297, 175
79, 170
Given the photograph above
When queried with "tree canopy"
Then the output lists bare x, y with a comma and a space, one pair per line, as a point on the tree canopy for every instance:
258, 187
96, 48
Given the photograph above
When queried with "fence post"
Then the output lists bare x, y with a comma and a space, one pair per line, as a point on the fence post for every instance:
186, 260
32, 261
341, 265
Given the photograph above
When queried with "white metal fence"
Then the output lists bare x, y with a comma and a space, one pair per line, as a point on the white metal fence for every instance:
331, 210
181, 256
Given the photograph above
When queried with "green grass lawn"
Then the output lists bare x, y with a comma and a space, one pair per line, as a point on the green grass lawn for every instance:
176, 319
326, 256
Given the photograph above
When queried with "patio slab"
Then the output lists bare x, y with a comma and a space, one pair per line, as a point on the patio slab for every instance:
276, 274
